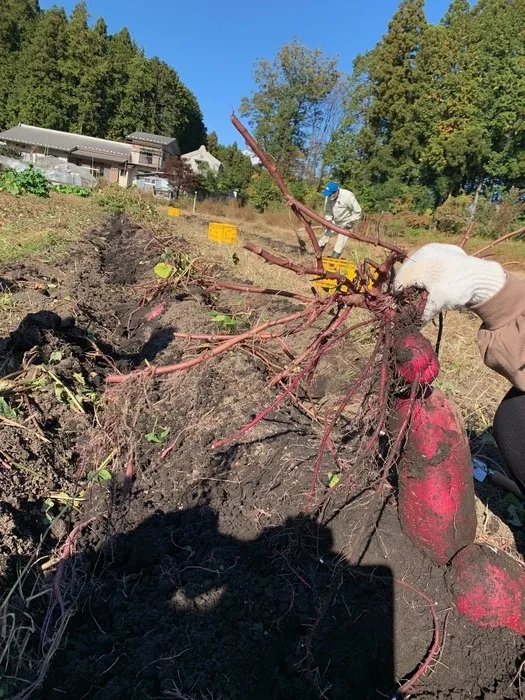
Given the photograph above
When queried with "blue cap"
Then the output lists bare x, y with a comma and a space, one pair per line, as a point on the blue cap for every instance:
330, 189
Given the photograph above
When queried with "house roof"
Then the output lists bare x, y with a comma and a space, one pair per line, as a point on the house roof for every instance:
62, 140
201, 154
97, 155
150, 138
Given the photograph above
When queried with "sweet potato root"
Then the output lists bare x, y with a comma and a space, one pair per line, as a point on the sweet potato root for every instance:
489, 588
436, 490
415, 359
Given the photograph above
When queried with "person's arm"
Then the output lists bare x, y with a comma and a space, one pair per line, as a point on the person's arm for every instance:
353, 204
328, 209
329, 216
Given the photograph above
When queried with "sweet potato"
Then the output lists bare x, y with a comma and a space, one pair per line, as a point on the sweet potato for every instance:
436, 491
415, 359
489, 588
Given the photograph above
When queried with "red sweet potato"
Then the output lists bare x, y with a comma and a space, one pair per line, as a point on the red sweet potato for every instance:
489, 588
436, 490
415, 359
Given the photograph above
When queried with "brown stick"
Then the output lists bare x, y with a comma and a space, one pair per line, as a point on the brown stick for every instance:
319, 341
467, 234
282, 396
270, 167
300, 269
260, 290
500, 240
222, 347
301, 210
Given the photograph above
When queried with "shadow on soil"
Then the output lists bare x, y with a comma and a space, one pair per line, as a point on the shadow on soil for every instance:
32, 330
176, 609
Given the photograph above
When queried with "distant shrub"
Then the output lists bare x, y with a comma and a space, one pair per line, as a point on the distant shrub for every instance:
28, 181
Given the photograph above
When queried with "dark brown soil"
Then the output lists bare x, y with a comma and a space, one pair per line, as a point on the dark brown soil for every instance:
197, 575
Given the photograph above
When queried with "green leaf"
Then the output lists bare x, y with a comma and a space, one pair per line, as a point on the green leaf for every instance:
163, 270
334, 480
60, 392
55, 356
158, 438
5, 409
104, 475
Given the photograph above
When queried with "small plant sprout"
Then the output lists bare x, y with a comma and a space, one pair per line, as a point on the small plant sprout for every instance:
102, 474
228, 323
157, 436
7, 411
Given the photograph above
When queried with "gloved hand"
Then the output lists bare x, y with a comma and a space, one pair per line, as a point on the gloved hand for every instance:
452, 278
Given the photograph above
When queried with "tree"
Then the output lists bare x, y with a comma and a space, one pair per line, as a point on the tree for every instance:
378, 138
16, 20
212, 143
236, 170
289, 103
456, 10
175, 109
66, 74
38, 97
135, 111
121, 52
451, 129
181, 176
85, 71
498, 62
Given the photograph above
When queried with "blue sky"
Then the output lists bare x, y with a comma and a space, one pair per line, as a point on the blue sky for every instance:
213, 44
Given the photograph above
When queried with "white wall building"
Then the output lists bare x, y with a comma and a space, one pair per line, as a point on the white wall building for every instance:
201, 156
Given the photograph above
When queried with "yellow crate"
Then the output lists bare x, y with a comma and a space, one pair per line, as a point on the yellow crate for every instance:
173, 211
222, 233
344, 267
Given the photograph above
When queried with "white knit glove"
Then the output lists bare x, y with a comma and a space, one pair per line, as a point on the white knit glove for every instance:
452, 278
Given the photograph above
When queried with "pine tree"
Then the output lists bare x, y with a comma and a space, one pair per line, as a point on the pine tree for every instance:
457, 9
136, 110
378, 140
16, 20
85, 72
449, 122
498, 62
37, 97
212, 142
391, 71
122, 50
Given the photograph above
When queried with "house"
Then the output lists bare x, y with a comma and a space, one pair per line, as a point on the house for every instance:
196, 159
116, 161
150, 149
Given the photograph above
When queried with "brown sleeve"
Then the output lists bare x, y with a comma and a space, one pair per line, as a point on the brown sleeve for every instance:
501, 338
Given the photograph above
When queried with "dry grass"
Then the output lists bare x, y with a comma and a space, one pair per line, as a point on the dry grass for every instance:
32, 225
230, 210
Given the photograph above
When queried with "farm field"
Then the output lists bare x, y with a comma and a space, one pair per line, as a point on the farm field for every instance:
138, 561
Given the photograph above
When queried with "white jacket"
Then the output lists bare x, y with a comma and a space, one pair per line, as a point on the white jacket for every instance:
344, 211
